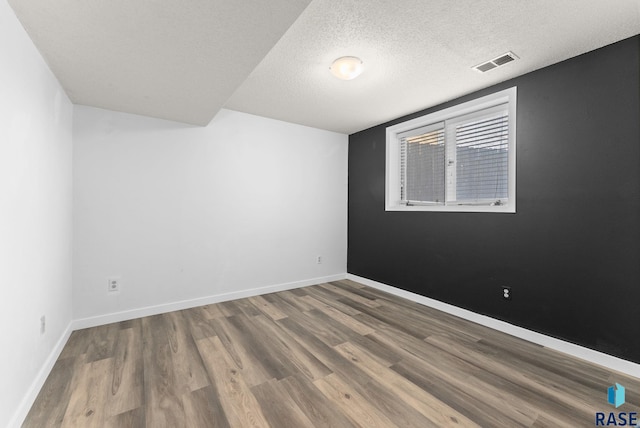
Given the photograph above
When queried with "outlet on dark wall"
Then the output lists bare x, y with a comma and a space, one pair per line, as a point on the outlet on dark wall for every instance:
572, 249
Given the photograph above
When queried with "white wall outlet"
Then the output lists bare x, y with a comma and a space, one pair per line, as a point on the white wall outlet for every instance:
506, 292
319, 260
114, 284
43, 324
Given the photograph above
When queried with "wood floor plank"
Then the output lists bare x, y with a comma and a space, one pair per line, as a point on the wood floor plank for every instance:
132, 419
552, 391
428, 323
325, 353
354, 284
531, 367
51, 404
267, 308
299, 291
77, 344
294, 300
198, 321
202, 408
283, 305
189, 372
393, 319
303, 359
163, 403
451, 373
102, 342
90, 392
344, 333
329, 298
365, 385
431, 315
358, 290
421, 400
313, 403
341, 317
380, 326
213, 311
349, 296
398, 411
254, 373
278, 406
471, 398
240, 406
352, 404
339, 330
262, 348
309, 321
246, 307
556, 365
229, 308
127, 380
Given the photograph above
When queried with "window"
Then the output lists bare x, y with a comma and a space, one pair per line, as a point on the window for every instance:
458, 159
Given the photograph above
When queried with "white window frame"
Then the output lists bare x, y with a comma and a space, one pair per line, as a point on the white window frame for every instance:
392, 172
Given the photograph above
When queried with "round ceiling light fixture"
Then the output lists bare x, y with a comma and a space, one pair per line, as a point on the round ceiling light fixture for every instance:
346, 67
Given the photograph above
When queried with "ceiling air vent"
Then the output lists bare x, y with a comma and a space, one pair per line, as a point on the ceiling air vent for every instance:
496, 62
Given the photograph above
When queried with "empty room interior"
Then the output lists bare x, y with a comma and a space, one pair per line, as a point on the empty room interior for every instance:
320, 213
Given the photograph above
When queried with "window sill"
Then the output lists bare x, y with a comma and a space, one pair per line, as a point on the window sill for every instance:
507, 208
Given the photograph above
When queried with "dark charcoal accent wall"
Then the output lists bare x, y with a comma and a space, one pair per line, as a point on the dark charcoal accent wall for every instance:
571, 253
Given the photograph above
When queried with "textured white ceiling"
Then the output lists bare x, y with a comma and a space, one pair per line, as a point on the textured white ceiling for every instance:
185, 60
171, 59
418, 53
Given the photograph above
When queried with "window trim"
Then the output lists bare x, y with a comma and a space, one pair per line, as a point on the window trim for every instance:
392, 170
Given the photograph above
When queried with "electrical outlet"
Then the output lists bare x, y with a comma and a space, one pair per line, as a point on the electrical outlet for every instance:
319, 260
506, 292
114, 284
43, 324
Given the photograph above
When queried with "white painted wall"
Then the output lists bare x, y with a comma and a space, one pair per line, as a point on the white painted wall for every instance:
35, 217
182, 212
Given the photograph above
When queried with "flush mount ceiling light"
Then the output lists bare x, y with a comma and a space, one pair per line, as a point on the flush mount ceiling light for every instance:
346, 67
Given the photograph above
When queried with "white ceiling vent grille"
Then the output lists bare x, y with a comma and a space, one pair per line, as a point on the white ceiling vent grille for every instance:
496, 62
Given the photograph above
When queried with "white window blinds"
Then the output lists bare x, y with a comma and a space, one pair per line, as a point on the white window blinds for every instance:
461, 161
481, 159
422, 160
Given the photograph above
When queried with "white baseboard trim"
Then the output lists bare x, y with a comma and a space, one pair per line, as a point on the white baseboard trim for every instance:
31, 395
600, 358
186, 304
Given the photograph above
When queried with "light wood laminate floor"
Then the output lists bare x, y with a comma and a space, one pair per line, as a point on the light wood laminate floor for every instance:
331, 355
